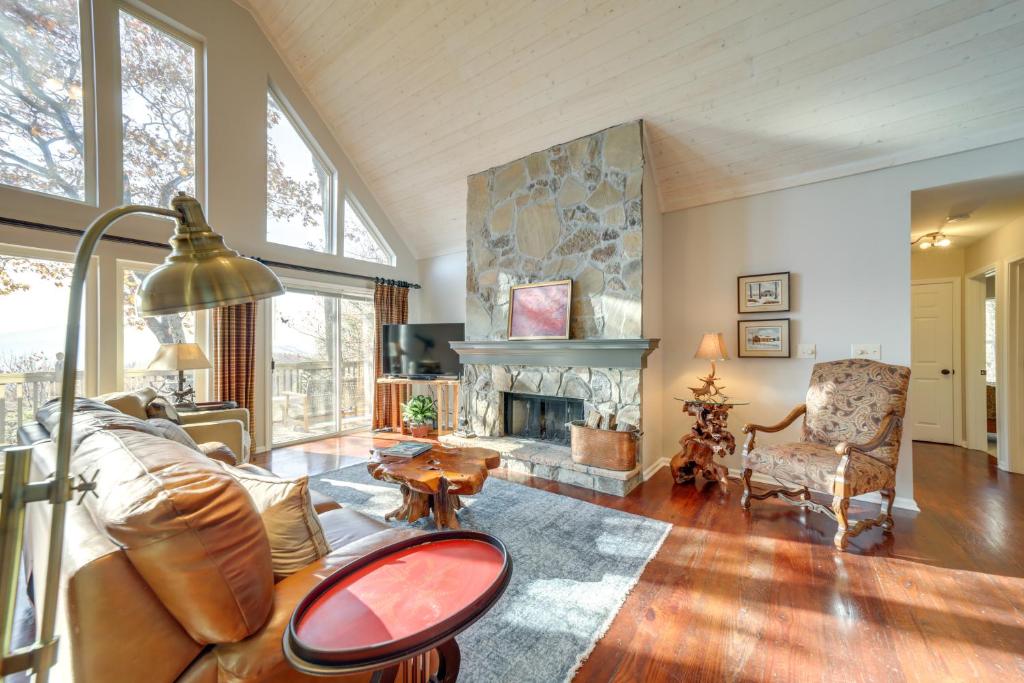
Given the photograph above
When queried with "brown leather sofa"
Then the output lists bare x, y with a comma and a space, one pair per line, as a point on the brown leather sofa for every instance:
166, 574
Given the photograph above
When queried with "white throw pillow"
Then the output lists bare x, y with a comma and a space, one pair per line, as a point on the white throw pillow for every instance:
296, 536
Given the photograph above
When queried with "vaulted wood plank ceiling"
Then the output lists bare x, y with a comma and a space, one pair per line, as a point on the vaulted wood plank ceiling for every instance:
739, 97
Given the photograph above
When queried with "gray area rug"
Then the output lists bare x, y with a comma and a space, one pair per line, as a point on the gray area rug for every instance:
573, 564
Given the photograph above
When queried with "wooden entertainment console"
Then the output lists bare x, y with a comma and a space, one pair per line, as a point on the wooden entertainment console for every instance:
447, 401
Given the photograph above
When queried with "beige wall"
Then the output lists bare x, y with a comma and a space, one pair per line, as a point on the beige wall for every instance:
845, 242
1005, 243
936, 263
239, 63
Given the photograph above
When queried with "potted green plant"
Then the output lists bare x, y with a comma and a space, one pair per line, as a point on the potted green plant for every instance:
420, 412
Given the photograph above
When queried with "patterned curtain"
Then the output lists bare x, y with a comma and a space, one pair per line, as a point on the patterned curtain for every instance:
390, 305
234, 355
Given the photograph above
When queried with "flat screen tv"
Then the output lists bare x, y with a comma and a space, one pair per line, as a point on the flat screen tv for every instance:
422, 350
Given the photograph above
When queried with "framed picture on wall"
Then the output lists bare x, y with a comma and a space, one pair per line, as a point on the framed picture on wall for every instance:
764, 338
767, 293
539, 311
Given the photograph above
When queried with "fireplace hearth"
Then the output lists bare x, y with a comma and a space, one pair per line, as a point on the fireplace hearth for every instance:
544, 418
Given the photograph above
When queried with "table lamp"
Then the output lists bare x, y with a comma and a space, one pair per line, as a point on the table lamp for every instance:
712, 347
179, 358
201, 272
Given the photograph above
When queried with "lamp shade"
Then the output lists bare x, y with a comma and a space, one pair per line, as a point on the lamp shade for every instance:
712, 347
180, 357
201, 271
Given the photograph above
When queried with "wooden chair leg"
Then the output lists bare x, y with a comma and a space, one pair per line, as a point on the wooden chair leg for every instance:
840, 506
745, 499
890, 497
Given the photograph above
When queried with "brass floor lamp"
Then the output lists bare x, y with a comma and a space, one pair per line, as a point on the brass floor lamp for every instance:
201, 272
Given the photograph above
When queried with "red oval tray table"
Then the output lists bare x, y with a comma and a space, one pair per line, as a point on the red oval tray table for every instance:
396, 603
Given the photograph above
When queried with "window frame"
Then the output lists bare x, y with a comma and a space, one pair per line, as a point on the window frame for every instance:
90, 158
117, 85
351, 201
332, 226
204, 336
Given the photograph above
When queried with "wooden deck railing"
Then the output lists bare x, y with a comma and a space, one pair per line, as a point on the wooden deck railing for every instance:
303, 393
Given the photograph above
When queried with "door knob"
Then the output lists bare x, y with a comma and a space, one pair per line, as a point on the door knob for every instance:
946, 371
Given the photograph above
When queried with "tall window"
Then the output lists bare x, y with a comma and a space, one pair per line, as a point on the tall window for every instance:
143, 337
158, 108
42, 141
360, 241
298, 186
32, 345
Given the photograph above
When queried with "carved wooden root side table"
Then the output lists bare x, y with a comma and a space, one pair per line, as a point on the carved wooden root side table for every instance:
434, 481
707, 439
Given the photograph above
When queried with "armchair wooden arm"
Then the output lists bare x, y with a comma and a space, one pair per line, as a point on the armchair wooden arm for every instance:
752, 429
890, 422
786, 421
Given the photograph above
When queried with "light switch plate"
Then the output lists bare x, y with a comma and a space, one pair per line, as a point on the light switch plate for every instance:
806, 351
872, 351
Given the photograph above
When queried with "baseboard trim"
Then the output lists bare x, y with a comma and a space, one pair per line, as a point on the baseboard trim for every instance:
901, 502
654, 467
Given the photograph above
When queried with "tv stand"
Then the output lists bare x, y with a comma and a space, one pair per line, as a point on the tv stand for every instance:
400, 391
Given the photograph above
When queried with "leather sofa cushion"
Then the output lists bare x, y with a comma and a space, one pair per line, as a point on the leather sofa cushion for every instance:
187, 527
91, 416
219, 451
130, 402
292, 526
173, 431
343, 526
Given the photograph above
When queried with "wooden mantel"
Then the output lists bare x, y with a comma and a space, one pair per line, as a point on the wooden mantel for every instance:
581, 353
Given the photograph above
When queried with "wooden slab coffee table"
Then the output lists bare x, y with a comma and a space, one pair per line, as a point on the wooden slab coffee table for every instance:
434, 481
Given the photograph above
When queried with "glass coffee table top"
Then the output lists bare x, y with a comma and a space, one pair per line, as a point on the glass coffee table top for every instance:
727, 402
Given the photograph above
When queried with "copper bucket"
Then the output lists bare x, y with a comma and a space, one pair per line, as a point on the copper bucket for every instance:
605, 448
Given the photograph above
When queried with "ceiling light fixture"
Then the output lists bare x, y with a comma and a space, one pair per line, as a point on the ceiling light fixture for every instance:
932, 239
938, 238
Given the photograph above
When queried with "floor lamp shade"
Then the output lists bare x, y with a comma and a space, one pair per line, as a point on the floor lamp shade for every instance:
201, 272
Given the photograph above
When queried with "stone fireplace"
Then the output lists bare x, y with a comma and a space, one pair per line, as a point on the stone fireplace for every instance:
574, 211
533, 416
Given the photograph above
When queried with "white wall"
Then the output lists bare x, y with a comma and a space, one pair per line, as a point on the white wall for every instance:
845, 242
443, 297
239, 63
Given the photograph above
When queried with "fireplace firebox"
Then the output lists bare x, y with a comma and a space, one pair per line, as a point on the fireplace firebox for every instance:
540, 417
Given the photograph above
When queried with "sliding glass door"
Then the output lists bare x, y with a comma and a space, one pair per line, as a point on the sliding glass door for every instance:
321, 381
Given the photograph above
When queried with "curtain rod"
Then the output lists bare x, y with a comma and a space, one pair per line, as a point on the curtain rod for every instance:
73, 232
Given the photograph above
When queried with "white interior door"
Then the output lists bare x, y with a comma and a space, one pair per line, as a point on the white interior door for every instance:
932, 380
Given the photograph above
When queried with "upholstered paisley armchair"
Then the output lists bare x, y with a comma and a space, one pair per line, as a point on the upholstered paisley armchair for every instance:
852, 426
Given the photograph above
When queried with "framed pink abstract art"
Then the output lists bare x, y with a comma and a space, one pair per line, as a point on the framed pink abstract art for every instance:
540, 311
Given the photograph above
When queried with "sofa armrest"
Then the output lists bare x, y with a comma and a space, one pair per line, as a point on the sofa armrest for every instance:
231, 433
240, 414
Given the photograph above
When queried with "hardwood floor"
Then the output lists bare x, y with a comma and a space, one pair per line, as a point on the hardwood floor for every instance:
762, 595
